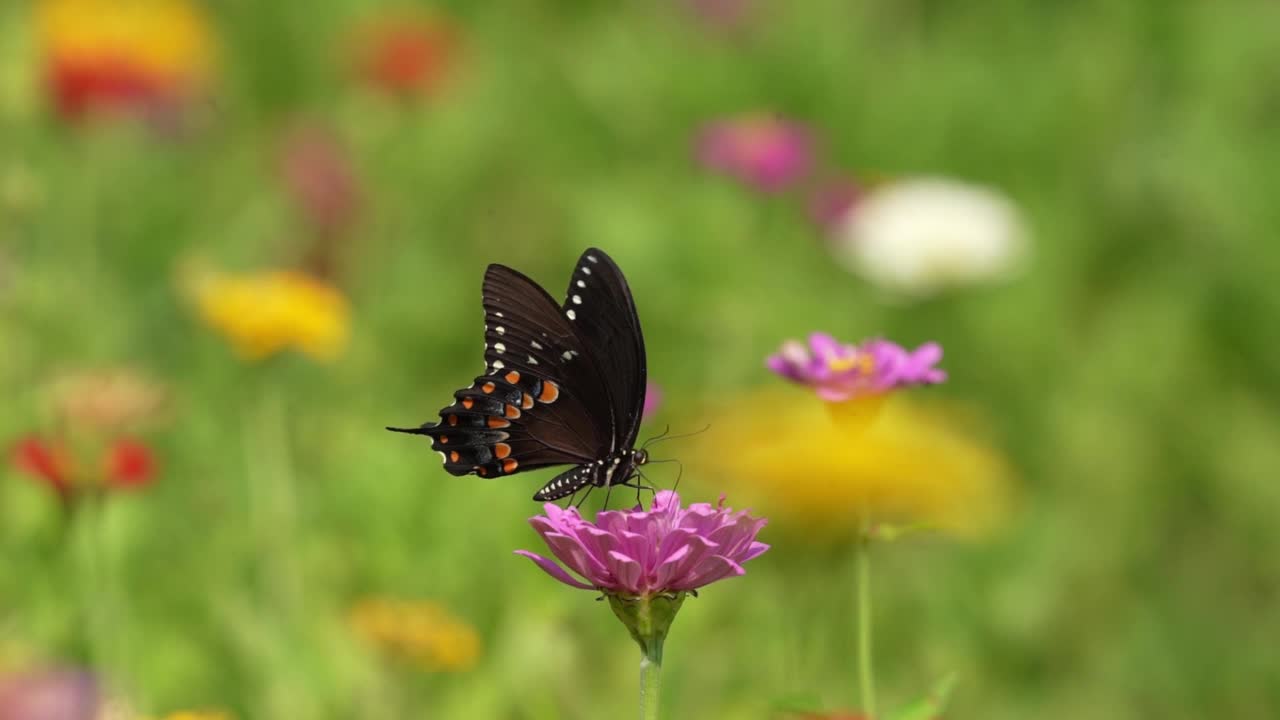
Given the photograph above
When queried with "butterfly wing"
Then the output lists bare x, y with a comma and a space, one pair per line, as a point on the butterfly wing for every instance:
602, 312
541, 398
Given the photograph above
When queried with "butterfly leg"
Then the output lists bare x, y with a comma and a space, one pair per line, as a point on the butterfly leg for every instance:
585, 495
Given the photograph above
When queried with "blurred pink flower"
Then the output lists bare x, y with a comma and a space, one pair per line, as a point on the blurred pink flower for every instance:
49, 695
665, 550
319, 177
765, 152
839, 371
652, 399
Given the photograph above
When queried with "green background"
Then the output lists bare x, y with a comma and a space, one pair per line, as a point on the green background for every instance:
1130, 372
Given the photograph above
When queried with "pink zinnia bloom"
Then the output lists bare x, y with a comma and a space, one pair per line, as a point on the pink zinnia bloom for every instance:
664, 550
840, 371
765, 152
652, 399
49, 695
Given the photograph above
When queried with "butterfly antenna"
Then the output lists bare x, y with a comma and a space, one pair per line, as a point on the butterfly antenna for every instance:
665, 436
665, 431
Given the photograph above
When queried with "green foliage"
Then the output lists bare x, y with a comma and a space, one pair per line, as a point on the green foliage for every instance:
1130, 372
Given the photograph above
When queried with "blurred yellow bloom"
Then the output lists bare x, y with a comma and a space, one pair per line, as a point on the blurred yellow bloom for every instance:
264, 313
419, 632
828, 472
122, 52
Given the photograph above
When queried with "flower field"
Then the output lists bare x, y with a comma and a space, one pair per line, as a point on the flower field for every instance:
958, 322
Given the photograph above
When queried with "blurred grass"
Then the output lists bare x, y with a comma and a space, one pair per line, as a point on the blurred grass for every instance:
1129, 372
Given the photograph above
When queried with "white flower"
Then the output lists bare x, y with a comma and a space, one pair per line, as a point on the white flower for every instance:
919, 236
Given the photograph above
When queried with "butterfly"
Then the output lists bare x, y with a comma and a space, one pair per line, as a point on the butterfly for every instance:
564, 384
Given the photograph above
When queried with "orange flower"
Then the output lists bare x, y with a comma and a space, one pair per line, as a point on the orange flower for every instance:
133, 55
406, 54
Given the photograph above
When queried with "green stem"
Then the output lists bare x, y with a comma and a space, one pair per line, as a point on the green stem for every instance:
650, 680
866, 672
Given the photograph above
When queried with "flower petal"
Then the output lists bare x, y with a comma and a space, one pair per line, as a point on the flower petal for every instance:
554, 570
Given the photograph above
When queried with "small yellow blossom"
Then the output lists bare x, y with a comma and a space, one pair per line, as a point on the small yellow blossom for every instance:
418, 632
168, 38
267, 312
830, 473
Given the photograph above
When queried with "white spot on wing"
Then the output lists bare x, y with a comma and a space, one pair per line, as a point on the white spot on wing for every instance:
497, 365
501, 330
592, 258
581, 284
500, 348
498, 314
533, 360
586, 270
567, 355
577, 299
572, 315
535, 345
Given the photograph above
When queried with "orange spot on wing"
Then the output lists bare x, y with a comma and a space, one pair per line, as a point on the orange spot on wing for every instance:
453, 420
509, 465
488, 387
481, 471
453, 456
549, 392
497, 422
467, 403
513, 377
513, 412
501, 450
444, 439
526, 401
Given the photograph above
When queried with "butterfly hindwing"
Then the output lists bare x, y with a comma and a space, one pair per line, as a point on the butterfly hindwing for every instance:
563, 384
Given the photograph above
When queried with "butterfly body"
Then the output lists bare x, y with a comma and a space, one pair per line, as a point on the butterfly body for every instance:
563, 385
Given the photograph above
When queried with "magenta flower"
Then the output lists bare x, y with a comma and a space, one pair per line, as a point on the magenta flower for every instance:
49, 695
666, 549
762, 151
652, 399
839, 371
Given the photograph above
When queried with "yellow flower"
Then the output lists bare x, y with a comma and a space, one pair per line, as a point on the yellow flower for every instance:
827, 473
265, 313
121, 52
418, 632
199, 715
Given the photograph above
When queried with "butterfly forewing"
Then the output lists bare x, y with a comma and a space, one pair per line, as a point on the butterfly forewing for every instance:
601, 310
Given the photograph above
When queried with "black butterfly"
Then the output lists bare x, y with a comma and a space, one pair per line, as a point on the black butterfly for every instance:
565, 384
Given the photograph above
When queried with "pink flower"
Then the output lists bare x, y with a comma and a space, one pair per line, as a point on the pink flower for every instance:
320, 179
762, 151
652, 399
49, 695
665, 550
839, 372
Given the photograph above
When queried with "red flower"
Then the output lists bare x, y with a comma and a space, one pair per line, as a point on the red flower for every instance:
48, 462
130, 464
406, 55
126, 464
